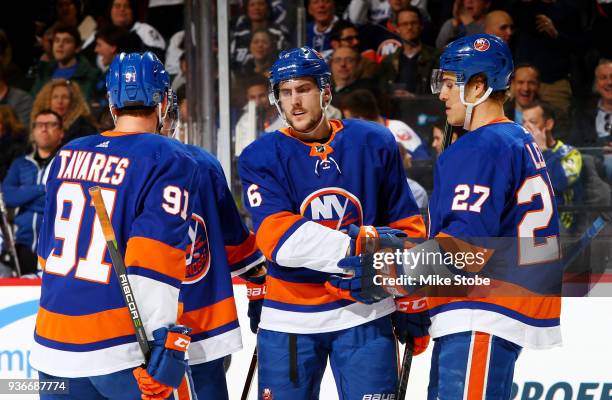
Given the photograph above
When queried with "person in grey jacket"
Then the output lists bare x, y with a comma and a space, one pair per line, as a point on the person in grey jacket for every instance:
24, 185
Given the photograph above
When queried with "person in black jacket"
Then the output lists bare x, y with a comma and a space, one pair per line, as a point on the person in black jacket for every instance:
13, 138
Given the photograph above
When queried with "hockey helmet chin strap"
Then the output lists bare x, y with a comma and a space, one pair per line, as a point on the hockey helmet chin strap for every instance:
470, 106
322, 103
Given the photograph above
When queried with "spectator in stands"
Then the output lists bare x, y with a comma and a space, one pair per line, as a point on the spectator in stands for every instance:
418, 191
407, 72
257, 16
167, 16
318, 31
524, 90
24, 185
593, 124
13, 139
18, 99
67, 63
500, 24
266, 115
468, 19
362, 104
13, 75
344, 65
262, 53
345, 34
548, 33
563, 161
122, 15
65, 98
70, 13
110, 41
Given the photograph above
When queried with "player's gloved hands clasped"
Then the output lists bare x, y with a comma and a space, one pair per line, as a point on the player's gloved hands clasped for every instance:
411, 322
167, 364
359, 285
256, 291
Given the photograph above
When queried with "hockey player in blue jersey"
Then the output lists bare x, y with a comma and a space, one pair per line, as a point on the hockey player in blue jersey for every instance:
84, 333
220, 246
309, 187
490, 183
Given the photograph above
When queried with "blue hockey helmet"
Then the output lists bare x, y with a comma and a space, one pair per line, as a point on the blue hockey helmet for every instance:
136, 80
298, 63
476, 54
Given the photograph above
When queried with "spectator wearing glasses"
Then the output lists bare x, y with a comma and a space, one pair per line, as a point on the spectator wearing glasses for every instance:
346, 34
344, 64
24, 185
407, 71
65, 98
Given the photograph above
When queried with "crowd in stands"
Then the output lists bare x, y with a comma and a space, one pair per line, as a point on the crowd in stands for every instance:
381, 54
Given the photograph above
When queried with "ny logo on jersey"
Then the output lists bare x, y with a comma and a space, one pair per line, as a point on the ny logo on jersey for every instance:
198, 251
333, 207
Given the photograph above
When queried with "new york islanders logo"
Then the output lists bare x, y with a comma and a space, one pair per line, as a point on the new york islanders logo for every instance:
198, 251
267, 394
482, 44
333, 207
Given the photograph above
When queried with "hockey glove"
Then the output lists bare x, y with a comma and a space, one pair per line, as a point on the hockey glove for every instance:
411, 322
359, 284
256, 291
167, 365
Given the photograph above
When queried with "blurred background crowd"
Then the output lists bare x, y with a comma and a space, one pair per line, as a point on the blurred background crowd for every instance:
54, 54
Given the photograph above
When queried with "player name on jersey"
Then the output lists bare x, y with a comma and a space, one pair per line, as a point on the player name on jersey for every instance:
92, 166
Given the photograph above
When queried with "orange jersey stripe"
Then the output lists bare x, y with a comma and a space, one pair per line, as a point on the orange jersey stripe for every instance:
210, 317
413, 226
42, 262
83, 329
297, 293
478, 366
235, 254
534, 307
157, 256
272, 228
183, 392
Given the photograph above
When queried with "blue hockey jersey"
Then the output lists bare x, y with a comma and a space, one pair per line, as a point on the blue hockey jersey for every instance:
220, 246
301, 196
83, 327
492, 183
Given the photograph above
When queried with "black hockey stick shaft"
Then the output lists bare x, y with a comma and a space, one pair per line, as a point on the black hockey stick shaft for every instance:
10, 240
448, 135
405, 371
120, 270
249, 378
586, 238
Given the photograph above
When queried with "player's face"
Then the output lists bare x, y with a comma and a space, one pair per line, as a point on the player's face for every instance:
47, 133
449, 94
603, 81
64, 47
60, 100
121, 13
300, 102
525, 86
409, 26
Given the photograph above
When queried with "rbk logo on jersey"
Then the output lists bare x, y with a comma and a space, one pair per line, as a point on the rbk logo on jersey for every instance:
198, 252
333, 207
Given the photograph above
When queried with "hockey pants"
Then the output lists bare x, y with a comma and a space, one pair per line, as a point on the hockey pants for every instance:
363, 360
472, 365
209, 380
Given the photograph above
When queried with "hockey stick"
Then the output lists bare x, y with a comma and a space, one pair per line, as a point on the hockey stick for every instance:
448, 135
586, 238
405, 372
249, 379
9, 236
119, 267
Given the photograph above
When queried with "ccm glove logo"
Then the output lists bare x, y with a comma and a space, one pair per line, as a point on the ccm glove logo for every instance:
411, 305
177, 341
